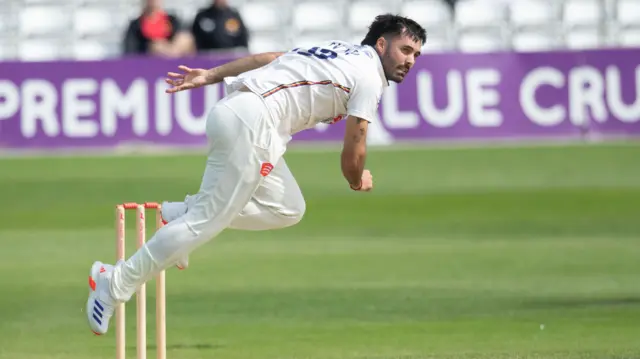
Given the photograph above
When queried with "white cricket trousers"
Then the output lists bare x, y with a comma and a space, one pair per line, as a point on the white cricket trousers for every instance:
246, 185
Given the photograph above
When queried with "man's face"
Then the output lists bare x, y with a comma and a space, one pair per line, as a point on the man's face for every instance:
153, 4
398, 55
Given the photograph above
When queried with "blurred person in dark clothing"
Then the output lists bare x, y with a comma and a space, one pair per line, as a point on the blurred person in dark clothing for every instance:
452, 4
219, 26
157, 32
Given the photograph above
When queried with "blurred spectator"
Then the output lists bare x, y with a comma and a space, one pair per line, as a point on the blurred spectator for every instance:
219, 26
452, 4
156, 32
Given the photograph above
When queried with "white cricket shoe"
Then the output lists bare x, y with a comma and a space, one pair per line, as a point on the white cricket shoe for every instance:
101, 304
170, 211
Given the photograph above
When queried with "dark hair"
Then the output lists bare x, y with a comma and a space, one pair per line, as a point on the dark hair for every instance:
389, 24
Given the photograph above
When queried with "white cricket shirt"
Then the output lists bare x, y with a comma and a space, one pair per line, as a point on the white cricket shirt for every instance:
321, 83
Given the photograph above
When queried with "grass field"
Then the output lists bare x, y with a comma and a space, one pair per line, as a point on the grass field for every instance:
467, 253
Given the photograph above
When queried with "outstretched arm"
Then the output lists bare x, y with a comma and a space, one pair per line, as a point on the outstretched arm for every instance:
193, 78
236, 67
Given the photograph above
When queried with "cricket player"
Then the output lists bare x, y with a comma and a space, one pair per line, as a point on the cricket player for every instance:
246, 183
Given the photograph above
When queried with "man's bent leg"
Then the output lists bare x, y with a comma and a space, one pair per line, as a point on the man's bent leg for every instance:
277, 203
231, 176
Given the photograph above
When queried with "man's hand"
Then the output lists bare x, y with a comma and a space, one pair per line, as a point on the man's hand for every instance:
366, 183
190, 79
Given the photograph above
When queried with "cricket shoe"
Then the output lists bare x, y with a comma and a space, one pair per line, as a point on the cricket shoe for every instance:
101, 304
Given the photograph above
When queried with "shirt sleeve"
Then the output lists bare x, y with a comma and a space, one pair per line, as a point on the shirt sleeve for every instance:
364, 99
197, 33
243, 39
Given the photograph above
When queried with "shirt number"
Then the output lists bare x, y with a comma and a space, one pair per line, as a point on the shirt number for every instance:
322, 54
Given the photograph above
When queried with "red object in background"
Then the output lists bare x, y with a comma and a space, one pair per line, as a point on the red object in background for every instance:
156, 26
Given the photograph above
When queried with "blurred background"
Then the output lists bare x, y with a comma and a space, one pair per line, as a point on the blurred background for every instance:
503, 224
93, 29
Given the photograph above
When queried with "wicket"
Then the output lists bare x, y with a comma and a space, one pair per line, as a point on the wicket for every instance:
141, 297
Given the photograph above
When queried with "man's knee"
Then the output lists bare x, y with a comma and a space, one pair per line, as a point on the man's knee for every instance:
293, 215
258, 215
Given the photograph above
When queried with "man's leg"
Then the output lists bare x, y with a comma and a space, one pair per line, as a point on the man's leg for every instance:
277, 203
231, 176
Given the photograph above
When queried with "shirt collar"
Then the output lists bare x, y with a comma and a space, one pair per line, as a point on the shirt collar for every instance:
378, 61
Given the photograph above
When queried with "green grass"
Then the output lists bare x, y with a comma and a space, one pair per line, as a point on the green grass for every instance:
467, 253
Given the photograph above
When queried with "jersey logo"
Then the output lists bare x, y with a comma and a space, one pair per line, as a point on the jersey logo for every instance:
331, 121
336, 119
266, 169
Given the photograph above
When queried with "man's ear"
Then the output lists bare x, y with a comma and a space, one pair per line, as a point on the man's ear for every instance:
381, 44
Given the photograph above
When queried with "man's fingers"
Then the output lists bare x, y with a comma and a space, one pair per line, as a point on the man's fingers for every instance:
174, 82
179, 88
175, 89
184, 68
175, 75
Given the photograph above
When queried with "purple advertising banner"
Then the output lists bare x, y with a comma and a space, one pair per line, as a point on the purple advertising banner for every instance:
449, 97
